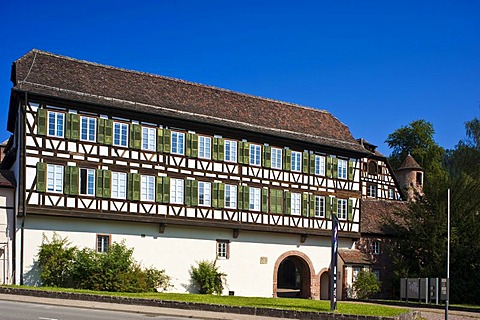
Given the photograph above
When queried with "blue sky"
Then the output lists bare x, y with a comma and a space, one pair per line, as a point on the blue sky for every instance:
375, 65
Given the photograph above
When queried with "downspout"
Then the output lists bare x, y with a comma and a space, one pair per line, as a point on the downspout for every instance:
22, 178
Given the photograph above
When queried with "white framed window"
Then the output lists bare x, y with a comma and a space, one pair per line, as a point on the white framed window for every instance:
342, 209
319, 165
356, 271
87, 182
376, 272
296, 203
119, 185
255, 154
230, 196
88, 128
103, 243
147, 185
54, 178
391, 193
342, 168
255, 196
376, 247
230, 151
176, 191
296, 161
320, 206
148, 139
204, 194
223, 249
276, 158
371, 190
120, 134
56, 124
178, 142
204, 147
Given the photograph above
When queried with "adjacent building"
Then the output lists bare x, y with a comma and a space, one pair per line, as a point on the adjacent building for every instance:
184, 172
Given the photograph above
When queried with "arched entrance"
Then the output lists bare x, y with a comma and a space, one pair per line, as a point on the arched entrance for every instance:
293, 276
325, 286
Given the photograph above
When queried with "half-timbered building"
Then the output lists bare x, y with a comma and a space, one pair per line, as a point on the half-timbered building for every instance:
184, 172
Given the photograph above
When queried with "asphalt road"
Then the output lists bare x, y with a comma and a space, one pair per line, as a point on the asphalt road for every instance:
15, 310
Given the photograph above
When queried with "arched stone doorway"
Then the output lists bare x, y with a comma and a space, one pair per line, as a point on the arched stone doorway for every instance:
325, 285
294, 276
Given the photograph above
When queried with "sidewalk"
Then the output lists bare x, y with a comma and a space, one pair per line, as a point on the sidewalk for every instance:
131, 308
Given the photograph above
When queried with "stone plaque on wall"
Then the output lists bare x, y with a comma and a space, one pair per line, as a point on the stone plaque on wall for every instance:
263, 260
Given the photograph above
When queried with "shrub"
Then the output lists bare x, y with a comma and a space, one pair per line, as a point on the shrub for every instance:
56, 259
115, 270
207, 278
366, 284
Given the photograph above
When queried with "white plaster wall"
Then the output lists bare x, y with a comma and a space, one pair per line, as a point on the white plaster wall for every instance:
178, 248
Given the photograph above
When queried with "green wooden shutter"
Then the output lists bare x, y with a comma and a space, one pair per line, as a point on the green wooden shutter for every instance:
135, 136
264, 200
312, 163
335, 167
351, 167
350, 210
159, 189
335, 206
328, 207
107, 183
280, 204
66, 180
167, 140
329, 167
166, 189
288, 202
72, 126
305, 162
305, 204
188, 192
192, 145
108, 132
159, 139
218, 149
101, 130
267, 156
41, 122
246, 153
218, 195
41, 176
312, 205
240, 197
133, 185
70, 179
99, 183
194, 195
246, 198
287, 163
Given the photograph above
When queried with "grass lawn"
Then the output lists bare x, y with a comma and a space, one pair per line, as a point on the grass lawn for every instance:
276, 303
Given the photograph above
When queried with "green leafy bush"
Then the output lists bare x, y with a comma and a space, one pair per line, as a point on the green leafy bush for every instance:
115, 270
207, 278
366, 284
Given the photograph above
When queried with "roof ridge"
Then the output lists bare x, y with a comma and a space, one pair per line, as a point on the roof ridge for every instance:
197, 84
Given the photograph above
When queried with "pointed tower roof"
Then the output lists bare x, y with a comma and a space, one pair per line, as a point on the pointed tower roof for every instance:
410, 163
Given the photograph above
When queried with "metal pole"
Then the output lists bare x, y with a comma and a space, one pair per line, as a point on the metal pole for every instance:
448, 255
333, 267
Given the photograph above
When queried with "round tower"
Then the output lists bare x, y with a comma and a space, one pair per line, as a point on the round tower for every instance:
410, 176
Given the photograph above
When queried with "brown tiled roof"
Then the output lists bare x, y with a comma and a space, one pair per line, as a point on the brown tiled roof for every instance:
353, 256
62, 77
7, 179
409, 163
376, 215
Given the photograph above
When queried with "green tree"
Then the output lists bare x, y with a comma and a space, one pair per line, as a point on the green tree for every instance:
465, 158
56, 260
366, 284
417, 139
